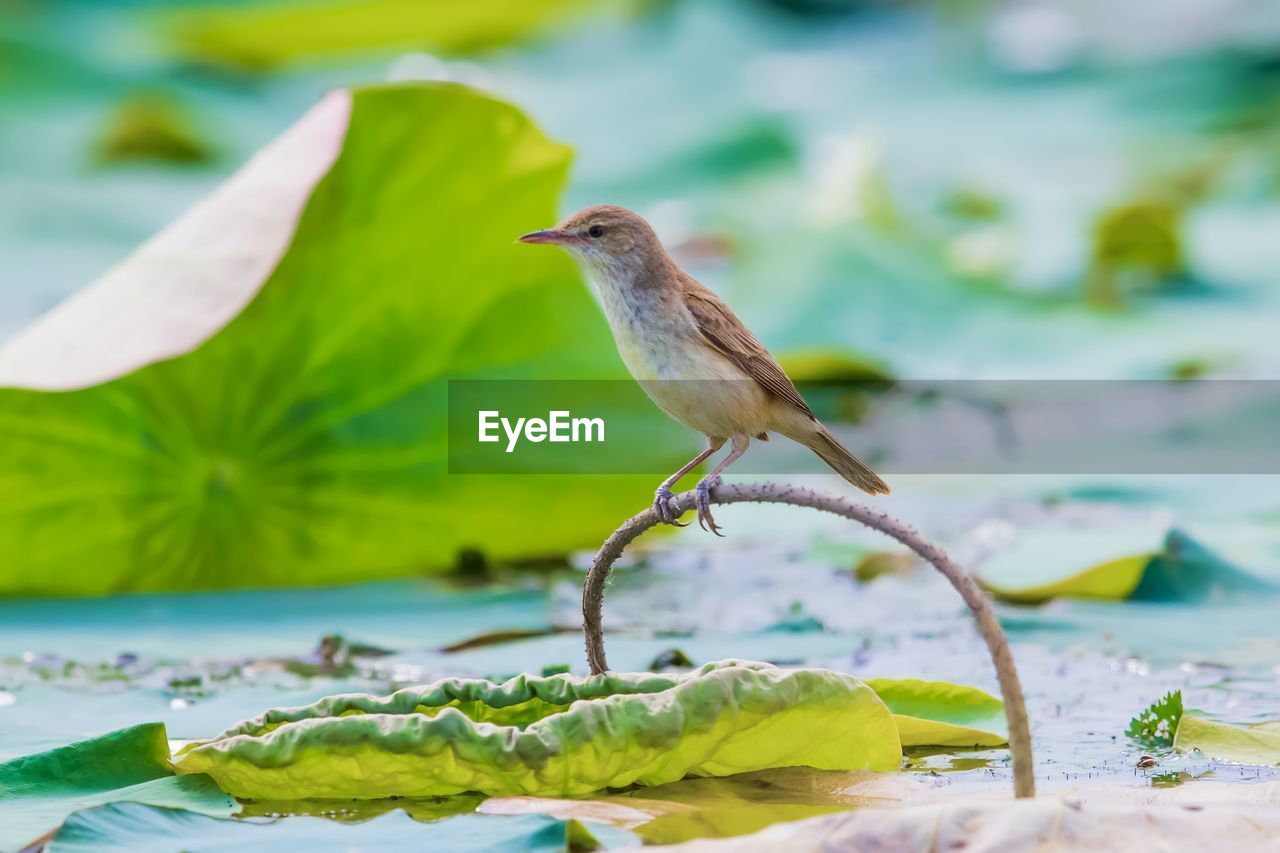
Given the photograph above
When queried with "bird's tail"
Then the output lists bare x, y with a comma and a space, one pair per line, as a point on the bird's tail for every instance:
845, 463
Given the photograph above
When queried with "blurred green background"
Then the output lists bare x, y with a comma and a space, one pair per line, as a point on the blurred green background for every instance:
946, 188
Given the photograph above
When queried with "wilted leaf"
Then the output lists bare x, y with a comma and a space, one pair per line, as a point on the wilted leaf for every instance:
553, 736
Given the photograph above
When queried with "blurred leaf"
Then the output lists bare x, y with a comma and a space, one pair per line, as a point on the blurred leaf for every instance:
837, 384
884, 563
136, 827
150, 127
1256, 744
819, 8
673, 658
749, 150
1184, 570
939, 713
1155, 726
265, 35
834, 366
1113, 580
973, 205
131, 764
305, 441
1137, 246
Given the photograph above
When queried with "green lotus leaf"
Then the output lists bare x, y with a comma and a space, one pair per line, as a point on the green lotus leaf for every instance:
128, 765
143, 829
257, 396
1184, 570
1255, 744
554, 736
939, 713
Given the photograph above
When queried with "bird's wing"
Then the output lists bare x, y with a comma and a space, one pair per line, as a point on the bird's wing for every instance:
728, 336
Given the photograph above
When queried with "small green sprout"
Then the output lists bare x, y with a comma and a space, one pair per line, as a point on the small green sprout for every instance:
1156, 725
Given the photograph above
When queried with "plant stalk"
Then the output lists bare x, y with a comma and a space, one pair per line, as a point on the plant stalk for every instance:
988, 626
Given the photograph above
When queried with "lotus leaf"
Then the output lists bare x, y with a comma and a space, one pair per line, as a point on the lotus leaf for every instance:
38, 791
257, 396
555, 735
939, 713
1184, 570
1256, 744
144, 829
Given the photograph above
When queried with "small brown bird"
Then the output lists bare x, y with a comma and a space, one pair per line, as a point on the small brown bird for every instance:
691, 354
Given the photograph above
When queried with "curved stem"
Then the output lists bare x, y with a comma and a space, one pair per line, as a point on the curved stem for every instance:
988, 626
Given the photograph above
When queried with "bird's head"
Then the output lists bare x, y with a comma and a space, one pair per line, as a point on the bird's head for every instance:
609, 238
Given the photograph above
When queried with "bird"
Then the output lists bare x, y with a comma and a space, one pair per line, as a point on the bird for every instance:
691, 354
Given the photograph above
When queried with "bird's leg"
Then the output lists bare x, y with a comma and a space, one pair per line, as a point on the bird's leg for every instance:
663, 500
709, 482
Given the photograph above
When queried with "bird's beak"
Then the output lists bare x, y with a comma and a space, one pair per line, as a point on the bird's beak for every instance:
551, 236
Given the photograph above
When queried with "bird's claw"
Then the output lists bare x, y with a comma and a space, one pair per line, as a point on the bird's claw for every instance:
664, 504
703, 502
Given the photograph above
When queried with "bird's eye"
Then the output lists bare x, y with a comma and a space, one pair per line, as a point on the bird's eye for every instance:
596, 231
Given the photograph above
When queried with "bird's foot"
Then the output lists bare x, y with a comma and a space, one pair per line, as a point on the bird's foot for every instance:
703, 502
664, 504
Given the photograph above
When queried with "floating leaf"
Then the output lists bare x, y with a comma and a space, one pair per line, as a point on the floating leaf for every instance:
1184, 570
939, 713
143, 829
1256, 744
1156, 726
1113, 580
257, 396
38, 791
537, 736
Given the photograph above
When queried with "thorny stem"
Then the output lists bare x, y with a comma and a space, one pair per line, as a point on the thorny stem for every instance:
988, 626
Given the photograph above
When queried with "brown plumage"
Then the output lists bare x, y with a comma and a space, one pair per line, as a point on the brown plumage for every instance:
672, 332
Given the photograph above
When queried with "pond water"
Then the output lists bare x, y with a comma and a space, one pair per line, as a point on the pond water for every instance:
780, 588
